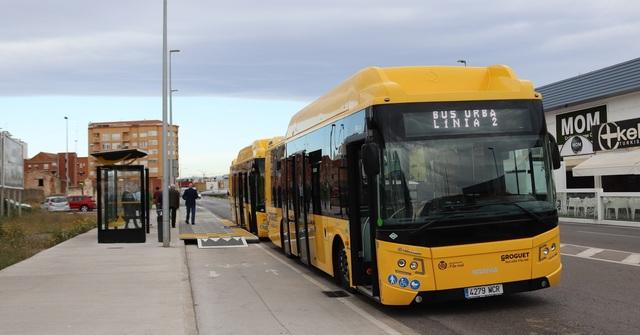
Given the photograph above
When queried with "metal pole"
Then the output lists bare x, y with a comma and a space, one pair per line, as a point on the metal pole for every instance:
170, 122
165, 161
173, 141
20, 202
66, 156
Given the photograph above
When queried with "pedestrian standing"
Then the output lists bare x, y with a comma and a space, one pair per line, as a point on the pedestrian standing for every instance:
157, 199
190, 195
174, 204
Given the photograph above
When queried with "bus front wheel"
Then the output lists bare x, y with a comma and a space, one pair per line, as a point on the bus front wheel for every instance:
341, 265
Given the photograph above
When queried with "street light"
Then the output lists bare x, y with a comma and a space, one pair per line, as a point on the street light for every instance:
462, 61
166, 239
66, 155
172, 175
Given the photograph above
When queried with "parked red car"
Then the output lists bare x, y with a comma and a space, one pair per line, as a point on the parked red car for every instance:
83, 203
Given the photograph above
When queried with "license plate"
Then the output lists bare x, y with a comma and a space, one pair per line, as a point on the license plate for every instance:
482, 291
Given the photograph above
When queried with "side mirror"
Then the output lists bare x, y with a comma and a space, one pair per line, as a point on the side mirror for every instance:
555, 153
370, 159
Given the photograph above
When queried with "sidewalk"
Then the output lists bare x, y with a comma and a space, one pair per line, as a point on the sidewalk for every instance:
82, 287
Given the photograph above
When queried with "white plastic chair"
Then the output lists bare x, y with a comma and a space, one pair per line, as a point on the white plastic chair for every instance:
634, 206
572, 206
589, 205
619, 205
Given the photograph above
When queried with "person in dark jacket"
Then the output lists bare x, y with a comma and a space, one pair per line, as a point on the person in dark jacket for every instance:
130, 206
157, 198
190, 195
174, 204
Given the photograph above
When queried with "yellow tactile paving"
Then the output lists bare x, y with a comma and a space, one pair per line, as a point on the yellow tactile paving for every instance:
235, 232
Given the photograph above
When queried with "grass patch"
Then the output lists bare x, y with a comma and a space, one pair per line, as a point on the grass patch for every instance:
25, 236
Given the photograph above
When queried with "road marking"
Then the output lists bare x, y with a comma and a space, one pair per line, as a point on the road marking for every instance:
607, 234
213, 274
367, 316
588, 247
602, 260
589, 252
632, 259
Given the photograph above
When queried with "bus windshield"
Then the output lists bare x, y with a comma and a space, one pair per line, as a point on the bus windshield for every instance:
461, 177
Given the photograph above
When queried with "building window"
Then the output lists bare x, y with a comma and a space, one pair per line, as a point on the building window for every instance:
116, 146
153, 170
578, 182
153, 152
41, 182
106, 146
153, 133
116, 137
143, 144
143, 134
106, 137
621, 183
153, 142
134, 144
46, 166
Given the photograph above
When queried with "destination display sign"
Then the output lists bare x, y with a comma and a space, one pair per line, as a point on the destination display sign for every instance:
467, 121
616, 135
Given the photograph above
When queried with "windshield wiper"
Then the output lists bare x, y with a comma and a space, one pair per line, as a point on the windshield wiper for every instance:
428, 223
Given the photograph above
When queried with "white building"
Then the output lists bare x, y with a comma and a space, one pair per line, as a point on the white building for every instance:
595, 118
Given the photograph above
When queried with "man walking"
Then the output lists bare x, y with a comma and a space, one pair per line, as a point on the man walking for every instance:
190, 196
174, 204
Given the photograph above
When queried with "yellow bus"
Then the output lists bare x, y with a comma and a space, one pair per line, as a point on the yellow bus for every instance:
414, 184
246, 188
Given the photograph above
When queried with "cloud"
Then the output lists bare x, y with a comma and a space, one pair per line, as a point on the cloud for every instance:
295, 49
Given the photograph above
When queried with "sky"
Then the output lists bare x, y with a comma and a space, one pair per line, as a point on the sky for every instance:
246, 66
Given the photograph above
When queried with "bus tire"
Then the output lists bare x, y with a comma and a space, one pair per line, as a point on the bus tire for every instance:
282, 235
340, 265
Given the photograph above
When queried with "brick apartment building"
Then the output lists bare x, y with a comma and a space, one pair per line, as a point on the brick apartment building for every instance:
47, 172
144, 135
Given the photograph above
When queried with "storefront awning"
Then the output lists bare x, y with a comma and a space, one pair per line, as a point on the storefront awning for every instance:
609, 163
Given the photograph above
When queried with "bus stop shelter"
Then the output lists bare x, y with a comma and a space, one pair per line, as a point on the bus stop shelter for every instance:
123, 197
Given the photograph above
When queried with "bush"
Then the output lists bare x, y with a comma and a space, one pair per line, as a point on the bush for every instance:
24, 236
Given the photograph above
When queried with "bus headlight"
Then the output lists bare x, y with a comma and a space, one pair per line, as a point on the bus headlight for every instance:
413, 265
543, 252
553, 247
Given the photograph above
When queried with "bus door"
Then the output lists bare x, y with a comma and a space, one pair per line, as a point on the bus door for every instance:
240, 193
290, 221
361, 228
253, 199
300, 208
281, 184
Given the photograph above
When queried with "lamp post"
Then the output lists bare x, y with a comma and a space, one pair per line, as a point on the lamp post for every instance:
173, 145
166, 239
66, 155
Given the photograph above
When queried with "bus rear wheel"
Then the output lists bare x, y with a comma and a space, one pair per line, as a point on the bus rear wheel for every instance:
341, 266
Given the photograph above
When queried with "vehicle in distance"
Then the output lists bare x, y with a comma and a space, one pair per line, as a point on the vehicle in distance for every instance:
56, 204
83, 203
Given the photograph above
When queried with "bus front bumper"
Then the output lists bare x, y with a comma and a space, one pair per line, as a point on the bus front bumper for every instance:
508, 288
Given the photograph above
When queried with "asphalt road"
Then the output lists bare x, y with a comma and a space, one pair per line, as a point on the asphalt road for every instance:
599, 292
218, 206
